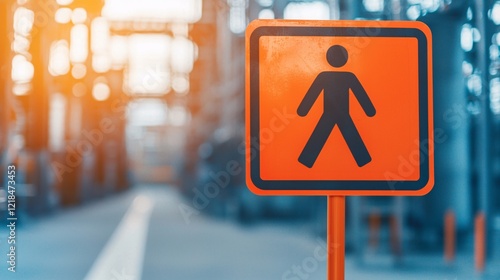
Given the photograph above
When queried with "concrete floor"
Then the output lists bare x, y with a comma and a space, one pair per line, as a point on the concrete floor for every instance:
126, 238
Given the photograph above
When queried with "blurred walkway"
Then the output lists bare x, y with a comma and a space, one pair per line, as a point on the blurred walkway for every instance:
147, 222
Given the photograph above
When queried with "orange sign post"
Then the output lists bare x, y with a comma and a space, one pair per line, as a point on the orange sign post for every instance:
339, 108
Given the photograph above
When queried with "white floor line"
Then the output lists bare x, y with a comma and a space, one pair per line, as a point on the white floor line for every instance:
123, 256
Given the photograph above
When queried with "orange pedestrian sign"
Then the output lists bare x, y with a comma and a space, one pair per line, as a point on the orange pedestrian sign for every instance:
339, 108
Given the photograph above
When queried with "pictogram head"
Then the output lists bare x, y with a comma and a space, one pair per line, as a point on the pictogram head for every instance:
337, 56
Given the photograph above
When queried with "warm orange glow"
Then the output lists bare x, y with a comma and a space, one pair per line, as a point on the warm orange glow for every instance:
183, 51
23, 21
79, 16
155, 10
101, 63
119, 51
79, 89
64, 2
59, 63
178, 116
22, 69
79, 71
21, 89
100, 40
57, 121
63, 15
101, 91
99, 35
21, 44
79, 43
148, 66
180, 83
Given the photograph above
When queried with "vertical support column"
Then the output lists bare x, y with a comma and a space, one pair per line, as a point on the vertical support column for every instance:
279, 8
4, 74
37, 125
334, 9
352, 9
451, 122
483, 140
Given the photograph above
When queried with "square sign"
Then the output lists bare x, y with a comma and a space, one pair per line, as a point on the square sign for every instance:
339, 108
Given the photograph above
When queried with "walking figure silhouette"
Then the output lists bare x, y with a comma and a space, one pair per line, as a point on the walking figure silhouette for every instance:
335, 86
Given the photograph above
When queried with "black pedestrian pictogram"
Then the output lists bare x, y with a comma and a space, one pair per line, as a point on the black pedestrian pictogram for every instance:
335, 87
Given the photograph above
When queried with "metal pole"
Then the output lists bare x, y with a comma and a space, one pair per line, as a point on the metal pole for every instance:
336, 237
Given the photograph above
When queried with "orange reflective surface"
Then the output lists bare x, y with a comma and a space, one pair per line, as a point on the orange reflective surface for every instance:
387, 68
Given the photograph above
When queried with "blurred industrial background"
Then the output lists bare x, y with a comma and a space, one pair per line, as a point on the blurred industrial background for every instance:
122, 117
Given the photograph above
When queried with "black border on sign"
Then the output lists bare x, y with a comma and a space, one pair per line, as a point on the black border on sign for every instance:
338, 185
